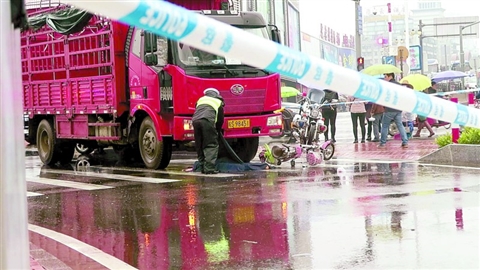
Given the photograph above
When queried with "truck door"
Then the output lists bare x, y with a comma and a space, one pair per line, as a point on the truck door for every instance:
135, 64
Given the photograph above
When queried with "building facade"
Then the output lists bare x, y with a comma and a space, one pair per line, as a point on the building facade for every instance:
436, 51
375, 37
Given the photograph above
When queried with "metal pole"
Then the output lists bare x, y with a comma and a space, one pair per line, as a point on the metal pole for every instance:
475, 69
358, 36
390, 34
420, 38
462, 55
407, 30
14, 245
401, 61
446, 58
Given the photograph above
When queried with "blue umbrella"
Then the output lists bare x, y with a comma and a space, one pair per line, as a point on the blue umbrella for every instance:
448, 75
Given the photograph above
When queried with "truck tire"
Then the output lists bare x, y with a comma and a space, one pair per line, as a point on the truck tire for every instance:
46, 143
246, 148
155, 154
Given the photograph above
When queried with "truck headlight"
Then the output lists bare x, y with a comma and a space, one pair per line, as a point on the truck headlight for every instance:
274, 120
187, 124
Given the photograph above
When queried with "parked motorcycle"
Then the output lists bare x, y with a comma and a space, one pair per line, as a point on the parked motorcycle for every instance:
308, 125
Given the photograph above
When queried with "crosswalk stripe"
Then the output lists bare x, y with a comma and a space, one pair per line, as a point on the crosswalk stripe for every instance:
119, 177
69, 184
219, 175
101, 257
33, 194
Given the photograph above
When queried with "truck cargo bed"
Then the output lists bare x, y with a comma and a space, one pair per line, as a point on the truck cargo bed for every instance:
76, 73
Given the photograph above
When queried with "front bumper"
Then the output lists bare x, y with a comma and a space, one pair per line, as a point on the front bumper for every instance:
257, 126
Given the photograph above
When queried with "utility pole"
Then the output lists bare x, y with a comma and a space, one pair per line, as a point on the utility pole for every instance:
420, 38
358, 28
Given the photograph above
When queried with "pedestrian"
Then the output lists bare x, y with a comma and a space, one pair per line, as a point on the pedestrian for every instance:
207, 123
357, 112
390, 115
432, 89
368, 108
329, 113
377, 114
407, 120
408, 117
422, 122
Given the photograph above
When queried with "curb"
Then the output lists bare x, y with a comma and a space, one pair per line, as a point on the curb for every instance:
454, 154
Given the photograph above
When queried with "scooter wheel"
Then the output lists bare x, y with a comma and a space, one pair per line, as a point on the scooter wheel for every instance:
279, 163
292, 163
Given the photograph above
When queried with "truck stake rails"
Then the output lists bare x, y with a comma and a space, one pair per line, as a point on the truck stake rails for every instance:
96, 82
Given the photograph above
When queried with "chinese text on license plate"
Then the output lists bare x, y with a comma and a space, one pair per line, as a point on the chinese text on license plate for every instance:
239, 123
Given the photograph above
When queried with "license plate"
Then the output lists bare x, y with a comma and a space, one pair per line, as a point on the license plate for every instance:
240, 123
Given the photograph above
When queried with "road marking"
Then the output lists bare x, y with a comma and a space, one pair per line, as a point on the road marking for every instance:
448, 166
105, 259
118, 177
219, 175
69, 184
33, 194
391, 161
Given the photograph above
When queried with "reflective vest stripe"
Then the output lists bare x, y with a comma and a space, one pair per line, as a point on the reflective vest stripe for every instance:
215, 103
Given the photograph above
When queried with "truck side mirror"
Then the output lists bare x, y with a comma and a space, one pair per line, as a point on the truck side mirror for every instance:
151, 59
275, 33
150, 42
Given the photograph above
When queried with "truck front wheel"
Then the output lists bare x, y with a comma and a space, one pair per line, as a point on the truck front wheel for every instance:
155, 154
246, 148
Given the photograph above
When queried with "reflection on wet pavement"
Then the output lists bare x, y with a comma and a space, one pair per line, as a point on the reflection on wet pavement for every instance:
341, 215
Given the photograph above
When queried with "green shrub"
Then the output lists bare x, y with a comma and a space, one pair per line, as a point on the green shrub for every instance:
470, 136
444, 140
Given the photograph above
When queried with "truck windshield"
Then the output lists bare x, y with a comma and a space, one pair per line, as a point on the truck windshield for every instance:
190, 56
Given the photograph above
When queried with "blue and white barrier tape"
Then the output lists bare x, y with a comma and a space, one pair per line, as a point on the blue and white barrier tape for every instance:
456, 92
169, 20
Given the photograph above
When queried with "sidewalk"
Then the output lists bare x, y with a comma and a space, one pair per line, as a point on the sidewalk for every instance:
40, 259
417, 148
34, 265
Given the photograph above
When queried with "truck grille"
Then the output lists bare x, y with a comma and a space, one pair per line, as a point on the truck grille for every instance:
251, 101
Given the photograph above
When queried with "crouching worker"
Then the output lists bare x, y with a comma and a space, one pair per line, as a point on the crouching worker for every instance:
207, 122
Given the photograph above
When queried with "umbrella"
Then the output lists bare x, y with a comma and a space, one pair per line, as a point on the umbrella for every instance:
288, 91
381, 69
448, 75
418, 81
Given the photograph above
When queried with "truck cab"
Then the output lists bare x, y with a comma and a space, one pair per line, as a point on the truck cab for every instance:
176, 74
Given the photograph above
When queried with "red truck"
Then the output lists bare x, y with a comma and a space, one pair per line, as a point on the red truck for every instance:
93, 81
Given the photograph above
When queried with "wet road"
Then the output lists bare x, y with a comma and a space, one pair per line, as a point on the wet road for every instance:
343, 214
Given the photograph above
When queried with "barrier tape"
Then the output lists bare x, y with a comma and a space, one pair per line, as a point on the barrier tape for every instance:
455, 92
176, 23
